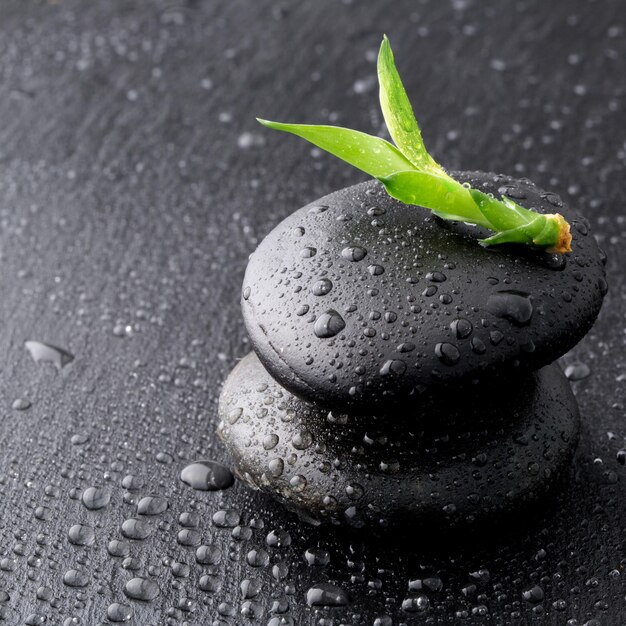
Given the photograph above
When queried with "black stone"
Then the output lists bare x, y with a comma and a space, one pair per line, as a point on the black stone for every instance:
390, 301
495, 453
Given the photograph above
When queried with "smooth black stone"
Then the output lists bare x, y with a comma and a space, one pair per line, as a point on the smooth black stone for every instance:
495, 453
358, 299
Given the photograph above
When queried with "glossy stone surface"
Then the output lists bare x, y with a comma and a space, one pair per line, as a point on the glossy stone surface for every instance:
475, 458
357, 299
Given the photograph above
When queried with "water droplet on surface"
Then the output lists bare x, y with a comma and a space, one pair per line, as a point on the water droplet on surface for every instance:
393, 367
329, 324
462, 328
81, 535
76, 578
21, 404
326, 594
533, 594
117, 612
207, 476
577, 371
258, 558
226, 518
514, 306
447, 353
47, 353
95, 498
354, 253
317, 557
322, 287
141, 589
134, 528
151, 505
208, 555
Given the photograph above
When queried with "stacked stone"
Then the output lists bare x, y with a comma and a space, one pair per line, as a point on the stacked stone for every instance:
403, 373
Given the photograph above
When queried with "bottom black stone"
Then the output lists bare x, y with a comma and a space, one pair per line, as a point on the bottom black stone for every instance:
469, 459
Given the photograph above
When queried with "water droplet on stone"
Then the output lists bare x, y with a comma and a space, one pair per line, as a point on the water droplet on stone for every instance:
447, 353
514, 306
329, 324
322, 287
462, 328
354, 253
207, 476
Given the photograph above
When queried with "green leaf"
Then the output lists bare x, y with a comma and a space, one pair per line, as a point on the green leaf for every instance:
446, 197
372, 155
398, 112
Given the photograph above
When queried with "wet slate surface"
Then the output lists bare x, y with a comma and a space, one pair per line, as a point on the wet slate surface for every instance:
134, 184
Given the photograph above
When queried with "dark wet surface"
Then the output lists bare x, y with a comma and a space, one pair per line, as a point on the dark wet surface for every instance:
134, 185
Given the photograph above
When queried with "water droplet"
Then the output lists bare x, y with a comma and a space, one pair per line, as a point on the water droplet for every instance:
462, 328
207, 476
329, 324
117, 612
354, 253
325, 594
317, 557
322, 287
393, 368
436, 277
141, 589
308, 252
577, 371
226, 518
258, 558
514, 306
47, 353
208, 555
81, 535
95, 498
21, 404
76, 578
278, 539
137, 529
151, 505
447, 353
118, 548
533, 594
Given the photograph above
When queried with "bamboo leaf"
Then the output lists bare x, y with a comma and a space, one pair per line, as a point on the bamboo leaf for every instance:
398, 112
372, 155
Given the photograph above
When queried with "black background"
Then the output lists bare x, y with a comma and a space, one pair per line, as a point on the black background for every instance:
134, 182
